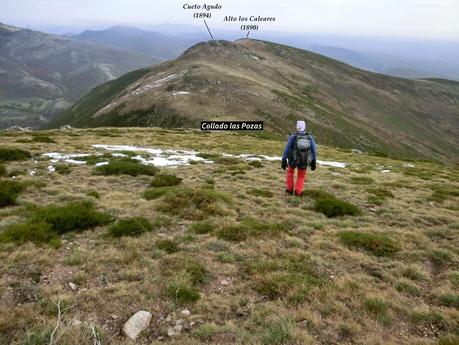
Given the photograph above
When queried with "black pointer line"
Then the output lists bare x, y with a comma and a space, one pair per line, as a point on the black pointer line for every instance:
210, 33
248, 32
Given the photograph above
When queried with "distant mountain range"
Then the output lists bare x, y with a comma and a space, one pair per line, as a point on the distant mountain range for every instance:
155, 44
42, 74
257, 80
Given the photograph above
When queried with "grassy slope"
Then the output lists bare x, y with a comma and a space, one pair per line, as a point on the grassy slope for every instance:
344, 106
331, 291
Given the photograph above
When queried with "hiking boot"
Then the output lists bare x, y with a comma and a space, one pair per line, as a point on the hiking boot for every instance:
289, 191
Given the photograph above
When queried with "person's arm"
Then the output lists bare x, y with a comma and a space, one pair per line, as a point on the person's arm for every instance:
313, 148
288, 146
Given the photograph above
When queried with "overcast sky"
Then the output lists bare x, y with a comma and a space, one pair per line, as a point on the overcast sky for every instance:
438, 19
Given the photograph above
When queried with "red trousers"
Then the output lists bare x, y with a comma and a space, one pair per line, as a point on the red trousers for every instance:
301, 177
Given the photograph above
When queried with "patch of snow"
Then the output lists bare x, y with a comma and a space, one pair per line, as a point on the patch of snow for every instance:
32, 172
332, 164
177, 93
119, 155
255, 57
408, 165
100, 164
385, 171
51, 169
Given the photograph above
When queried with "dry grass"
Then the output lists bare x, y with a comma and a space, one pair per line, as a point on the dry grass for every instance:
252, 268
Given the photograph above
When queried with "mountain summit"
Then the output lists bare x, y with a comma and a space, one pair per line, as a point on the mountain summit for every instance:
258, 80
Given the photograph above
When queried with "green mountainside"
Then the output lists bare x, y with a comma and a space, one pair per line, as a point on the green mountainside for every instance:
42, 74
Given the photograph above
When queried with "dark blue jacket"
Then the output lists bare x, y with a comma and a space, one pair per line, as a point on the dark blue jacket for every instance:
291, 141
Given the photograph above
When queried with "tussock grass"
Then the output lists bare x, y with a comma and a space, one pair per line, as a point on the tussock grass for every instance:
429, 319
134, 226
278, 333
194, 203
250, 227
9, 191
8, 154
181, 291
407, 288
3, 171
378, 308
126, 167
441, 257
376, 244
442, 192
448, 300
175, 264
165, 180
288, 277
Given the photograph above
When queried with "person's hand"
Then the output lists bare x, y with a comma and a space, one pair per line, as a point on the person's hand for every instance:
313, 165
284, 164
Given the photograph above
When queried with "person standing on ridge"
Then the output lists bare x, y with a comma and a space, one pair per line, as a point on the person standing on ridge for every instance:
300, 153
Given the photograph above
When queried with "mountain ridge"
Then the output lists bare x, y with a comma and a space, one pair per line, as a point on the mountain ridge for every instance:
258, 80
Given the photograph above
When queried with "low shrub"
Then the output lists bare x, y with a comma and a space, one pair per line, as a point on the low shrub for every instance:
43, 139
130, 227
62, 169
38, 233
12, 154
317, 194
335, 208
376, 244
156, 193
441, 192
169, 246
2, 170
93, 193
362, 180
194, 203
78, 215
260, 192
203, 227
9, 191
256, 164
165, 180
126, 167
250, 227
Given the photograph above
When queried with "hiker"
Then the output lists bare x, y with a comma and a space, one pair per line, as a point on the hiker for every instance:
299, 153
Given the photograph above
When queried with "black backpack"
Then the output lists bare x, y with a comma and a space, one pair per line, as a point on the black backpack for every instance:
300, 153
